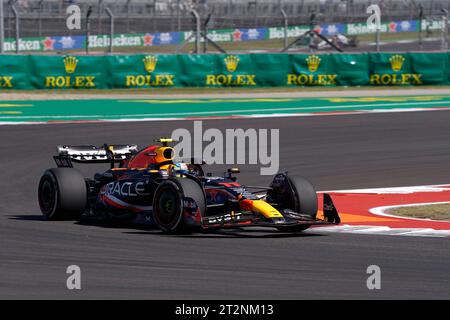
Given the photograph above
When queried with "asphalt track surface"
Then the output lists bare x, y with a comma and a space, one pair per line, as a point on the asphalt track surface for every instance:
334, 152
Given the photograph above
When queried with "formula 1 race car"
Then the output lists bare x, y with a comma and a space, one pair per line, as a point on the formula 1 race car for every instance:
175, 196
339, 40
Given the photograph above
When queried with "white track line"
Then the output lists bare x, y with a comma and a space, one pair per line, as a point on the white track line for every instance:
382, 230
381, 211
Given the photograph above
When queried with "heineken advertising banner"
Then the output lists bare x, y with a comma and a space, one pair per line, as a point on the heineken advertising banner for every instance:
218, 70
61, 43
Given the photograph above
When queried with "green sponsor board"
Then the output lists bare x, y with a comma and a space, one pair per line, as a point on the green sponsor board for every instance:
143, 71
70, 72
408, 69
15, 72
328, 70
312, 70
351, 69
261, 70
219, 70
447, 70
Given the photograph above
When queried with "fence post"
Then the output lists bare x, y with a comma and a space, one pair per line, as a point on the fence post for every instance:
40, 17
197, 30
16, 19
285, 26
378, 39
377, 34
8, 20
128, 15
178, 15
88, 28
444, 43
99, 17
205, 30
311, 34
420, 27
2, 27
111, 29
256, 13
153, 6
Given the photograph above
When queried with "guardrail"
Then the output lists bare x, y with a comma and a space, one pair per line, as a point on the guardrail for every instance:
219, 70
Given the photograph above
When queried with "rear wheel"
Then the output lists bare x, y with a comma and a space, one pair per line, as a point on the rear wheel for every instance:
295, 193
62, 194
168, 206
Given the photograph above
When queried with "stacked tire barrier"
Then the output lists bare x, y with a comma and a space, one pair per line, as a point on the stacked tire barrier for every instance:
213, 70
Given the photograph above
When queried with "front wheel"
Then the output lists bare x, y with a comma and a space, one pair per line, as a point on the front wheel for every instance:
168, 204
294, 193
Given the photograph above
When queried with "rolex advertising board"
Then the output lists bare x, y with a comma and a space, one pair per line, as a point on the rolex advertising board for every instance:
223, 70
67, 72
142, 71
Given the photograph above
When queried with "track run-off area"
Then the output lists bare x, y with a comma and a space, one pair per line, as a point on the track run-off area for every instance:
364, 211
45, 111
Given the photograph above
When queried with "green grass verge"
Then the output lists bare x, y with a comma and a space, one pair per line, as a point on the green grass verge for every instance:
433, 211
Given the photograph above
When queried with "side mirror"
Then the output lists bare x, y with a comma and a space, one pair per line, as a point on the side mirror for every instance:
229, 173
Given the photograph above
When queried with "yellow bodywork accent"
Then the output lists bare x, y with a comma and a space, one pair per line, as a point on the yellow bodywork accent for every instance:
160, 154
265, 209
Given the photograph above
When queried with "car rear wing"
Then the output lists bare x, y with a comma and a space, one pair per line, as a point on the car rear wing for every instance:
112, 153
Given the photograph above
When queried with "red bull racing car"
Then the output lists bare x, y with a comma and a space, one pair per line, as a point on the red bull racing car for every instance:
177, 197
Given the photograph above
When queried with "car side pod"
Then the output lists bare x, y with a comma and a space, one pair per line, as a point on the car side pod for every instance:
330, 212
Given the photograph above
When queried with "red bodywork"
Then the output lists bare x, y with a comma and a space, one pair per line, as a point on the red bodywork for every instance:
143, 159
